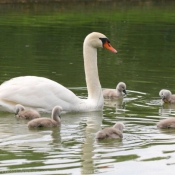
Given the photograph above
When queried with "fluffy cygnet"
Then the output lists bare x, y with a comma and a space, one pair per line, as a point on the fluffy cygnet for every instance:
115, 93
167, 96
167, 123
54, 121
111, 132
23, 113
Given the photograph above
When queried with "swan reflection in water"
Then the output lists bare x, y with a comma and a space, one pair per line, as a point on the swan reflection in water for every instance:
167, 109
115, 103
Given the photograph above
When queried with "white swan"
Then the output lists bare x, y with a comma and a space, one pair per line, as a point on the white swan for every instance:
43, 94
54, 121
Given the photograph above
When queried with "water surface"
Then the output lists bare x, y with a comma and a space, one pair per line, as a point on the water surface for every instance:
46, 40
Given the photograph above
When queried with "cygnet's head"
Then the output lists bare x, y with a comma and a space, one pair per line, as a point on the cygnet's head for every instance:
121, 87
18, 108
165, 95
120, 126
161, 92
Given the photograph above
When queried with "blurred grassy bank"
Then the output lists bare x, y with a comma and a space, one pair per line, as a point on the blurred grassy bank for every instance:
41, 14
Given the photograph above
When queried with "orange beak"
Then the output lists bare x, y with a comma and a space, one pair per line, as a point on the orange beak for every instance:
109, 47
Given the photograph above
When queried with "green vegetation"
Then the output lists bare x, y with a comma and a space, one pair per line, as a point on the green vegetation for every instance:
80, 14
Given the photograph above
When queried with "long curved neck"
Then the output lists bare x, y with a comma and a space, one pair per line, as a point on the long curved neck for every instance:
55, 116
91, 72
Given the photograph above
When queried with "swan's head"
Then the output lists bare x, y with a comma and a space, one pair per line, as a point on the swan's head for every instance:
18, 108
98, 40
121, 87
165, 95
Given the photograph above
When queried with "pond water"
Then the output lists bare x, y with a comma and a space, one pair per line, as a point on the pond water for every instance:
46, 40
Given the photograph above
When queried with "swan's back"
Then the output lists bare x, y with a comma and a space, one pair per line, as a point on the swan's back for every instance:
42, 122
47, 122
167, 123
109, 133
28, 114
111, 93
42, 93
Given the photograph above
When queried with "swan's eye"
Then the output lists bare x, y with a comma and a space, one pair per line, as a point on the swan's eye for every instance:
104, 40
106, 44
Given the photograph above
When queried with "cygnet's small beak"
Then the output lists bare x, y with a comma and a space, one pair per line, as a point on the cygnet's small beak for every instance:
164, 99
16, 112
124, 91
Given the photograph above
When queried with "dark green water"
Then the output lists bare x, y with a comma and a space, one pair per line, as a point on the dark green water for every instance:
46, 40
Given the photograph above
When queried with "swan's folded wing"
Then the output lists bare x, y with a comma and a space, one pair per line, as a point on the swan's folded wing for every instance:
113, 133
109, 133
37, 92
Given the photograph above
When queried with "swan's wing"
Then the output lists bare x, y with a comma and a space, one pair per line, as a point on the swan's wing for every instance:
36, 92
172, 98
